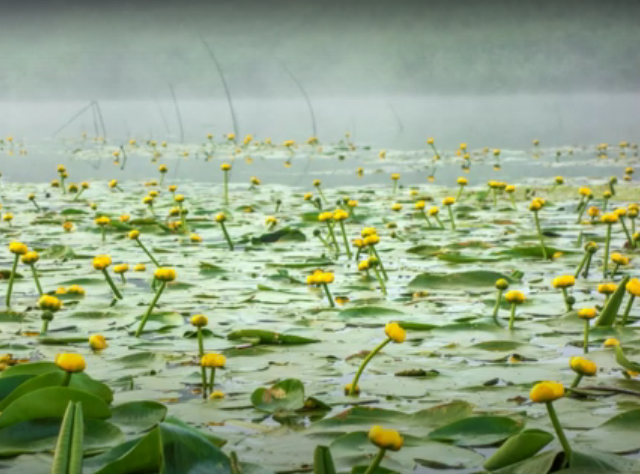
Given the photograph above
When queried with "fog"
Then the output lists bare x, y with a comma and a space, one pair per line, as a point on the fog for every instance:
493, 73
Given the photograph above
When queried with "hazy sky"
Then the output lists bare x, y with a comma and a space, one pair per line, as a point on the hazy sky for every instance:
119, 49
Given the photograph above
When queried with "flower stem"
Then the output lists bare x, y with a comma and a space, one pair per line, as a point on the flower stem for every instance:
183, 220
35, 278
585, 343
366, 360
155, 262
202, 368
512, 316
226, 235
333, 238
585, 274
584, 260
324, 199
556, 425
625, 316
542, 247
328, 293
376, 462
459, 193
576, 381
384, 272
151, 306
11, 278
607, 244
513, 201
439, 221
226, 187
626, 231
67, 379
380, 281
565, 296
426, 217
103, 228
36, 204
111, 284
45, 327
346, 242
212, 379
496, 308
495, 197
453, 222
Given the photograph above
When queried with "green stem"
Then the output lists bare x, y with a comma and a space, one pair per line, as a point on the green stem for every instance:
627, 310
151, 306
326, 244
607, 243
226, 235
581, 266
585, 274
576, 381
45, 327
513, 201
376, 462
35, 278
346, 242
212, 379
155, 262
36, 204
495, 197
395, 187
542, 247
111, 284
328, 293
64, 189
556, 425
67, 379
426, 217
512, 316
333, 238
183, 220
366, 360
200, 343
459, 193
123, 279
626, 231
580, 205
161, 179
77, 195
565, 296
322, 195
384, 272
439, 221
453, 222
615, 270
586, 337
582, 209
380, 281
496, 308
226, 187
604, 205
11, 278
104, 229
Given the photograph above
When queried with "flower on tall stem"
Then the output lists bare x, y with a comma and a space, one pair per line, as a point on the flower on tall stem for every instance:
371, 239
212, 361
32, 198
18, 249
420, 205
609, 219
113, 184
395, 177
163, 275
582, 367
339, 216
535, 207
103, 222
501, 286
590, 248
327, 217
587, 314
384, 439
462, 182
622, 213
510, 190
30, 259
135, 236
618, 260
317, 183
433, 212
449, 202
323, 279
102, 263
593, 212
221, 218
395, 333
199, 321
515, 298
98, 342
121, 270
563, 282
547, 393
148, 201
71, 364
49, 306
607, 289
585, 196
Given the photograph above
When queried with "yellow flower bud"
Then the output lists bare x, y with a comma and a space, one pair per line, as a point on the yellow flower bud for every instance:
502, 284
583, 366
165, 274
385, 439
396, 206
49, 303
587, 313
564, 281
76, 290
633, 287
71, 362
395, 332
101, 262
199, 320
610, 218
546, 392
611, 342
220, 217
30, 258
18, 248
448, 201
122, 268
213, 360
140, 267
515, 297
225, 166
98, 342
195, 238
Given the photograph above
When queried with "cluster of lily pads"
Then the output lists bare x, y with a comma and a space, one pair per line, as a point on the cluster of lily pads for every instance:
179, 326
